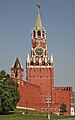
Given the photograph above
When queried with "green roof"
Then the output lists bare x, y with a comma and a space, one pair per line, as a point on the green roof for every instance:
17, 63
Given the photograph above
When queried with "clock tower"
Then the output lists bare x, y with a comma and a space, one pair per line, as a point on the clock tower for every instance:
39, 67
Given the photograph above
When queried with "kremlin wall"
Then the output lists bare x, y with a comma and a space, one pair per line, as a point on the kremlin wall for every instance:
38, 91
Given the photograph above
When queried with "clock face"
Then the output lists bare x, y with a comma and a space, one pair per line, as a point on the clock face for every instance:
39, 51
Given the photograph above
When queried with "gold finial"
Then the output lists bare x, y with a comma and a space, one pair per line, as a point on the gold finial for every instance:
38, 5
38, 23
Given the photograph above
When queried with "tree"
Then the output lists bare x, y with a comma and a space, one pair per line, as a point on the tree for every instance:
63, 107
9, 95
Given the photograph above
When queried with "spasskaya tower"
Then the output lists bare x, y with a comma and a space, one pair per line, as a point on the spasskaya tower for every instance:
38, 91
39, 67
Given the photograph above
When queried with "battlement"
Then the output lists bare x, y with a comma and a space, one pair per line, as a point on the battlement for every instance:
68, 88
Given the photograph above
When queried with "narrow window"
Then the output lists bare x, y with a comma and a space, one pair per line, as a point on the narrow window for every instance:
31, 63
43, 33
34, 33
39, 33
37, 63
43, 62
15, 73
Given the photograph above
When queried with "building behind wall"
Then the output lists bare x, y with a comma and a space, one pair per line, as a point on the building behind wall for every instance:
40, 76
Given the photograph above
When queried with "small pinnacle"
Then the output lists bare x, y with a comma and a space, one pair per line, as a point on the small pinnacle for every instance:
38, 5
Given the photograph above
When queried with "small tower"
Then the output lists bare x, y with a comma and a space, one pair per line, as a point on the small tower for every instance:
17, 70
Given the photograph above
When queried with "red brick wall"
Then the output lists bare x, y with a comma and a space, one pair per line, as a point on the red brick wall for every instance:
63, 95
44, 77
40, 84
29, 94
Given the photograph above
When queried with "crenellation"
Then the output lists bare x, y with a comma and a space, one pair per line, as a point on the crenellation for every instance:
68, 88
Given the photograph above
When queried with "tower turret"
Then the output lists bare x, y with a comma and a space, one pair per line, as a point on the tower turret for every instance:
17, 70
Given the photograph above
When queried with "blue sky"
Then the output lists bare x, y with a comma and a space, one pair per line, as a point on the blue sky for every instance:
17, 19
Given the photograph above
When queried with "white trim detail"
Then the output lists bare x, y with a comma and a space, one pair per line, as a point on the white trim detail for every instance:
40, 66
24, 108
72, 111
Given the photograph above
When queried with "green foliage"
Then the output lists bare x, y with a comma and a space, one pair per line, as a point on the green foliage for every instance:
63, 107
9, 95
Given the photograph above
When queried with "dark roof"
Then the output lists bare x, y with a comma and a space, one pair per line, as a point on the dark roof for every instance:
17, 63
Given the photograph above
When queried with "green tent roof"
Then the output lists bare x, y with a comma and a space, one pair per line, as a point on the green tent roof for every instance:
17, 63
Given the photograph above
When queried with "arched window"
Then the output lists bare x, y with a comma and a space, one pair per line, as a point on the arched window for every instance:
31, 63
43, 33
34, 33
15, 72
37, 63
39, 33
43, 62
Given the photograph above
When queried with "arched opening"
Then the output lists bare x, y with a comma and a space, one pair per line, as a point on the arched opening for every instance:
15, 72
43, 62
43, 33
34, 33
39, 33
31, 63
37, 63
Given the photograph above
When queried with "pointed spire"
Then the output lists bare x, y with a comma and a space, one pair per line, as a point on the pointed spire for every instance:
46, 51
38, 23
52, 59
48, 58
32, 51
17, 63
28, 59
12, 66
34, 59
40, 60
45, 60
46, 46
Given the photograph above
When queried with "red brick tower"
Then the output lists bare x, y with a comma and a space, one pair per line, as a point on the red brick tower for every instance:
39, 90
17, 70
40, 68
